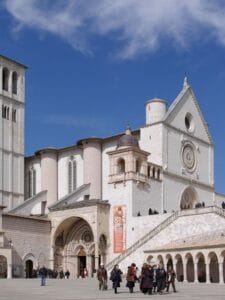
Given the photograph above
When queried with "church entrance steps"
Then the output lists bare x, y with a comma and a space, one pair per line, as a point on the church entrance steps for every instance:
152, 233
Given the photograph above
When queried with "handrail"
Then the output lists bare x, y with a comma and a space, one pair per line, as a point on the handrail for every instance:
143, 240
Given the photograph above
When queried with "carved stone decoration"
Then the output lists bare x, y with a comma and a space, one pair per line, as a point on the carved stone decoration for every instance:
188, 156
87, 237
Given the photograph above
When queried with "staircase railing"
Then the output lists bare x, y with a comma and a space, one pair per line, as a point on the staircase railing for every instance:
143, 240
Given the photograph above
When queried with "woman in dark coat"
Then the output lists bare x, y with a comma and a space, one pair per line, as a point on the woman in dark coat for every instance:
116, 277
131, 277
146, 279
161, 279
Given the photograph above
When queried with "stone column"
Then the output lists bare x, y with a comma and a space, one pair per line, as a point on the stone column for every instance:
51, 259
221, 281
185, 271
9, 271
195, 272
89, 266
96, 256
207, 273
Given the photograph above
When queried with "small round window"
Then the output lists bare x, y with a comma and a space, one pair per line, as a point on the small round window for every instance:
189, 122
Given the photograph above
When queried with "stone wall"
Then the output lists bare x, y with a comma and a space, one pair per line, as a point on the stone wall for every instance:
31, 240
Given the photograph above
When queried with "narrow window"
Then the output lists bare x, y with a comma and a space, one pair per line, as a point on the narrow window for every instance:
3, 112
74, 175
7, 113
153, 173
32, 182
70, 177
14, 82
5, 79
14, 115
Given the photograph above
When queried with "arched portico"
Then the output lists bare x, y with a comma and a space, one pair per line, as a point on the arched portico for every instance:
189, 267
169, 262
213, 267
201, 267
179, 267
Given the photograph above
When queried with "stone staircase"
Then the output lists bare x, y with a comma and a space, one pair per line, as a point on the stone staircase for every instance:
212, 209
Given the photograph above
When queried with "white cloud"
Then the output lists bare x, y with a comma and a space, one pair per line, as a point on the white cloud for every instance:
138, 26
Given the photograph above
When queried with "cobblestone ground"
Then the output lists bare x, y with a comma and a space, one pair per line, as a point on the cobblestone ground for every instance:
56, 289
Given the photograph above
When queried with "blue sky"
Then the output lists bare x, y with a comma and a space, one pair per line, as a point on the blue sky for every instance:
93, 64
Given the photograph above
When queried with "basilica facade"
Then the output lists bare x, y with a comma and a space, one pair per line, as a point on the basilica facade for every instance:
141, 195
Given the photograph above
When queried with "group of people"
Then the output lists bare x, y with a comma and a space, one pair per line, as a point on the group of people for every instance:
152, 279
43, 273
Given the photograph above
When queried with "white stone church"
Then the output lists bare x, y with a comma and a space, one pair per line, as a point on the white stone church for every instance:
146, 195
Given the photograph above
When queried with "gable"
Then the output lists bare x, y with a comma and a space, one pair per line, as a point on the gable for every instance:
185, 114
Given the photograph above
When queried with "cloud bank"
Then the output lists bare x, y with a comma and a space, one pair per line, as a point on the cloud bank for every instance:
135, 26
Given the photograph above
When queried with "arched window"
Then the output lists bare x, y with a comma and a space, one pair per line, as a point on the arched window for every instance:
5, 79
32, 182
14, 82
72, 176
121, 166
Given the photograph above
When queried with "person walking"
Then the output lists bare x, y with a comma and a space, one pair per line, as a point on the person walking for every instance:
154, 278
170, 279
102, 277
161, 279
146, 279
116, 278
67, 274
43, 274
131, 277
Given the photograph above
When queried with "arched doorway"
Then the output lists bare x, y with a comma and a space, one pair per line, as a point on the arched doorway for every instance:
3, 267
189, 198
82, 262
190, 268
29, 268
73, 239
179, 268
213, 268
201, 267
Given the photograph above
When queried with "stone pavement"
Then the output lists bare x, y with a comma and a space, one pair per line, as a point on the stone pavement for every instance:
62, 289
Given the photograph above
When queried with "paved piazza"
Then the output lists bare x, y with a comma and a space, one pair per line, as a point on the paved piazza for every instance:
58, 289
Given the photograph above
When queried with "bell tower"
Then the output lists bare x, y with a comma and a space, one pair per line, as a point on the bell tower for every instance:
12, 98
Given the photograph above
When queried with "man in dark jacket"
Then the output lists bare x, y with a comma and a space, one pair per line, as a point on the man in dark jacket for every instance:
170, 278
43, 274
102, 277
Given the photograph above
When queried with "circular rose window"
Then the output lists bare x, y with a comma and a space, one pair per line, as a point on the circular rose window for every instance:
188, 157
